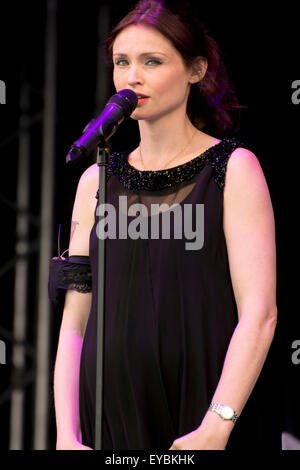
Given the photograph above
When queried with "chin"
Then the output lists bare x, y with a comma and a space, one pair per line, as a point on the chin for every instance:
137, 115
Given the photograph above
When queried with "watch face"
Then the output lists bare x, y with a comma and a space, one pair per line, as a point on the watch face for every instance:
227, 412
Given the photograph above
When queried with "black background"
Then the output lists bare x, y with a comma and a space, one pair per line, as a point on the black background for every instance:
259, 47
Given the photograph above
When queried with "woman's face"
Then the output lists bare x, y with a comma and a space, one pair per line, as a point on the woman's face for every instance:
146, 62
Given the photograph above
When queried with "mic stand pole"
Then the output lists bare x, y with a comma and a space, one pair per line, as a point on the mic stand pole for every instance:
103, 155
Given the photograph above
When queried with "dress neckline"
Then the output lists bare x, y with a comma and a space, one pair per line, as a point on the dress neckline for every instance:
155, 180
181, 166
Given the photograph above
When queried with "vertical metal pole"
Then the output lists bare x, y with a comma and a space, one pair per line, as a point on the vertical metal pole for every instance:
47, 193
102, 161
102, 90
21, 273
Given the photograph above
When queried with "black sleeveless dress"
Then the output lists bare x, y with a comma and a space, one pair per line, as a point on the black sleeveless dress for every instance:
170, 310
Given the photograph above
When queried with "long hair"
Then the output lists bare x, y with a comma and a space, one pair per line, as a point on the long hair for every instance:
212, 100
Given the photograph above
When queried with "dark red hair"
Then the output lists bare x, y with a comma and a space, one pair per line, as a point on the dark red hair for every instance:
212, 100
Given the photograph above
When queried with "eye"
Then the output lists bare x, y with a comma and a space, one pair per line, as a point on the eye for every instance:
119, 62
149, 61
154, 61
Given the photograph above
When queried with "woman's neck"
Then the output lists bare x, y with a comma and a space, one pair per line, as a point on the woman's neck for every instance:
163, 139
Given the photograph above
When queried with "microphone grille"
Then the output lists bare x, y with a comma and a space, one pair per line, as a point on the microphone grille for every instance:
127, 99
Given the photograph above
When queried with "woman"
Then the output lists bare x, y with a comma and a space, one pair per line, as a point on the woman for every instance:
187, 331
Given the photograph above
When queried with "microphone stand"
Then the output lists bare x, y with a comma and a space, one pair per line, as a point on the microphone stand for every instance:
103, 155
118, 108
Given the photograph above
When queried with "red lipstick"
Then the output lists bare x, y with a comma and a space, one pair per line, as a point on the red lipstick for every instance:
141, 98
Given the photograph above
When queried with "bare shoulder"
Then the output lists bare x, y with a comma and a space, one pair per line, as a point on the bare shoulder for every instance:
244, 173
85, 200
242, 158
89, 184
89, 178
246, 192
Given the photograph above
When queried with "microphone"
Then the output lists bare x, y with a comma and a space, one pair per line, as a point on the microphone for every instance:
118, 108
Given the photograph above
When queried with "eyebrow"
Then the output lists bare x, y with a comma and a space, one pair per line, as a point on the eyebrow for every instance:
140, 55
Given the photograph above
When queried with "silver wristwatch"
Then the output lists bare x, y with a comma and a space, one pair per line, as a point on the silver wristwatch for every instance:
225, 411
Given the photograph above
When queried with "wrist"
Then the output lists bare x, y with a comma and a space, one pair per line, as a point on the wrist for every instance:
66, 444
65, 441
213, 424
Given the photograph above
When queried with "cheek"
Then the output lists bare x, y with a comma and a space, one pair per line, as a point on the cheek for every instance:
173, 86
115, 79
119, 80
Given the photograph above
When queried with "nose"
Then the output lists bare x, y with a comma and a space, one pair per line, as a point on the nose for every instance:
134, 76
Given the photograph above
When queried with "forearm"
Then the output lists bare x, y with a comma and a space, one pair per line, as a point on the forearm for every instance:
243, 363
66, 386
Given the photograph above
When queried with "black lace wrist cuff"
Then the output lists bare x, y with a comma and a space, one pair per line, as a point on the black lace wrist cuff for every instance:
69, 273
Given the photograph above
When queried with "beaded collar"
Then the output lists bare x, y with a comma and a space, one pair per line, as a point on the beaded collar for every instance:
148, 180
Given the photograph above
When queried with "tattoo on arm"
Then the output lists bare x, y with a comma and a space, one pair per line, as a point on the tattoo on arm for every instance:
73, 227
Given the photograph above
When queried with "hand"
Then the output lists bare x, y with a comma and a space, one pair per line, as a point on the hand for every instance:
74, 445
199, 439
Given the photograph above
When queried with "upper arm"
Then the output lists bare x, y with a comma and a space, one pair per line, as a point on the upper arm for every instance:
77, 305
250, 234
83, 212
